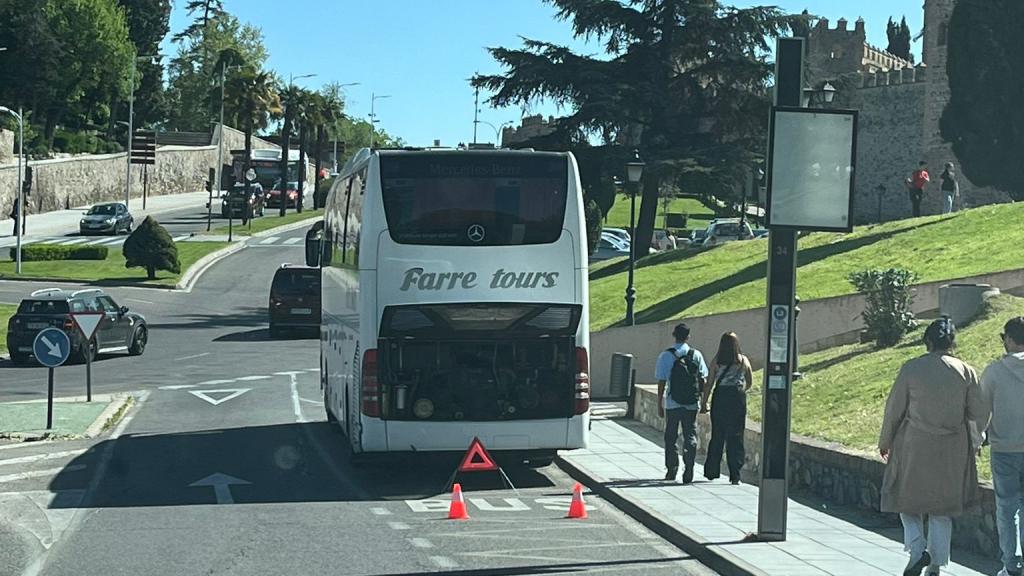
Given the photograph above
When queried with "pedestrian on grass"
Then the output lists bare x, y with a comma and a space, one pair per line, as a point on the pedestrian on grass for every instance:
16, 215
728, 381
928, 448
681, 373
916, 184
950, 188
1003, 386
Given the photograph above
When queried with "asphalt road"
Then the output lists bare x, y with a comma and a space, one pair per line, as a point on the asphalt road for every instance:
227, 466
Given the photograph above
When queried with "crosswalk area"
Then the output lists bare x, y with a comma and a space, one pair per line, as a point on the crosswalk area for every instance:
46, 466
82, 240
276, 241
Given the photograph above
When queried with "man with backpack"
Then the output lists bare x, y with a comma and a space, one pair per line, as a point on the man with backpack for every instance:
681, 373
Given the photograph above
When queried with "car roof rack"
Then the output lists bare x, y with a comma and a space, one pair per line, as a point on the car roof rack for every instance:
85, 291
46, 291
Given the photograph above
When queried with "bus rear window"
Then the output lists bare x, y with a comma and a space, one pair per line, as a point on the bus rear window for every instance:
474, 199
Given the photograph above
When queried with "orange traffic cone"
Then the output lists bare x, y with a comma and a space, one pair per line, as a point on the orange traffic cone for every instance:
457, 511
577, 509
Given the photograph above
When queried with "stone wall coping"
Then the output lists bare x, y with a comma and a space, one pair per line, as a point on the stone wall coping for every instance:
103, 157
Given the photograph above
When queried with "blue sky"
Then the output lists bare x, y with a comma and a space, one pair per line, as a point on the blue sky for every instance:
420, 52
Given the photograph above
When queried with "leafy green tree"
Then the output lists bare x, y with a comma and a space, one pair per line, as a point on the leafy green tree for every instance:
151, 247
250, 99
683, 81
32, 62
983, 119
149, 21
203, 13
889, 296
194, 71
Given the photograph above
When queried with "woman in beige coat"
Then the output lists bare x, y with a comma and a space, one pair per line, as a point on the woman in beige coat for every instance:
928, 446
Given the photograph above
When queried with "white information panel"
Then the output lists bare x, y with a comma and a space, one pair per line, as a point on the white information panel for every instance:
812, 157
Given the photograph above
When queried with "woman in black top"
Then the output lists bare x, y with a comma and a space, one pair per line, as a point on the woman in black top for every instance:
950, 188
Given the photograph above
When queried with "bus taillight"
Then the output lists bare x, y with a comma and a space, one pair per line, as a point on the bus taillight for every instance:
371, 385
582, 396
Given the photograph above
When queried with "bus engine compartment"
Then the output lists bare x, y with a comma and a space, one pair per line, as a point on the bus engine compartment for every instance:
477, 380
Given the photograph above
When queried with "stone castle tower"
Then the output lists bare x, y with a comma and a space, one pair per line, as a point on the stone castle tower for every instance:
900, 108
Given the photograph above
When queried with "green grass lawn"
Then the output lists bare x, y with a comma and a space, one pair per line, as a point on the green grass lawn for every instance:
270, 220
732, 276
111, 270
842, 395
618, 216
6, 311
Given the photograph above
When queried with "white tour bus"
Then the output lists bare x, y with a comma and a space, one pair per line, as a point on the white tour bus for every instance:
455, 302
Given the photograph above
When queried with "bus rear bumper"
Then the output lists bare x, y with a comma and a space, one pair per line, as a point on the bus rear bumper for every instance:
506, 436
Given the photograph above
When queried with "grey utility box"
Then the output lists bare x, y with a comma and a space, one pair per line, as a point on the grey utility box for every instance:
620, 378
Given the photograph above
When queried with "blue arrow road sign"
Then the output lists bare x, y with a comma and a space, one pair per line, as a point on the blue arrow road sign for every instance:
51, 347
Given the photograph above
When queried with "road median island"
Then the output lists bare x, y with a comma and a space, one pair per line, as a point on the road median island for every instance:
269, 224
73, 418
110, 271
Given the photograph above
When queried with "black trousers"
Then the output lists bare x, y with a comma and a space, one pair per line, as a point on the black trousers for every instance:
728, 420
675, 418
915, 201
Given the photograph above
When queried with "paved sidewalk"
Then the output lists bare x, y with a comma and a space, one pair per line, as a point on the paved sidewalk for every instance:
60, 222
711, 519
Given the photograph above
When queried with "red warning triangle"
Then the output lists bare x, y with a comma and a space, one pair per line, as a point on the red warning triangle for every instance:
477, 459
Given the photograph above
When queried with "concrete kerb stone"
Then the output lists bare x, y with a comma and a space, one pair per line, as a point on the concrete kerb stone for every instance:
116, 405
192, 274
721, 561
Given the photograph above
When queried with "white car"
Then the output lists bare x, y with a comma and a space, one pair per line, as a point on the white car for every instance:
619, 233
609, 247
722, 230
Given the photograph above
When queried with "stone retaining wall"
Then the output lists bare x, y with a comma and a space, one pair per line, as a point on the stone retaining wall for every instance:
837, 473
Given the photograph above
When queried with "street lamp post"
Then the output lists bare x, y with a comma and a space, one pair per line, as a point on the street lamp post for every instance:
20, 215
634, 172
373, 116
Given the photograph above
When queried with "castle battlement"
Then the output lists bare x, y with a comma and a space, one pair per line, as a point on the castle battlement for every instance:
841, 26
910, 75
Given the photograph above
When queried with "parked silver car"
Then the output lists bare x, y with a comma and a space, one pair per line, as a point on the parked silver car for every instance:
109, 218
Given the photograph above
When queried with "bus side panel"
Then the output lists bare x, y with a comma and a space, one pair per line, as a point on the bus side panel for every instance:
578, 428
373, 436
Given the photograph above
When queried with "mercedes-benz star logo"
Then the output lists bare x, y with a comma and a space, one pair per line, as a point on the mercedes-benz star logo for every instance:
476, 233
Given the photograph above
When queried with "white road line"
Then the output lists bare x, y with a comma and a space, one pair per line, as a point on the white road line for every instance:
148, 302
177, 387
110, 241
182, 237
269, 240
250, 378
213, 382
189, 357
312, 369
444, 562
26, 444
73, 241
296, 407
286, 373
380, 511
310, 401
421, 542
398, 526
40, 473
293, 240
38, 457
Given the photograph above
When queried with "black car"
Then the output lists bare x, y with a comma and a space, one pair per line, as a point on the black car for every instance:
294, 298
109, 218
120, 330
235, 203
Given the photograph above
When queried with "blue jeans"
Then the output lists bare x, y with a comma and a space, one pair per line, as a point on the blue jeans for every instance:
1008, 478
947, 205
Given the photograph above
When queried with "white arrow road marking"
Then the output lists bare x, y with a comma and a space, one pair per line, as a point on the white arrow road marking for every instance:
221, 486
204, 395
53, 349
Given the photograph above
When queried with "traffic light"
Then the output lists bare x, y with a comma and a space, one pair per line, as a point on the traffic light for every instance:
341, 147
26, 185
209, 180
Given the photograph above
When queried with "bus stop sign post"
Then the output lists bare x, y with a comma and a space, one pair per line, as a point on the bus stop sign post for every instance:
51, 348
811, 164
87, 324
773, 494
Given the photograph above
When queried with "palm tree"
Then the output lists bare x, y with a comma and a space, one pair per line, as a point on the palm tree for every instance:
291, 104
251, 98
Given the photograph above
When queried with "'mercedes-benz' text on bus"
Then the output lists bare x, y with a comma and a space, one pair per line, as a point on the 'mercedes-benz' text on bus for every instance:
455, 302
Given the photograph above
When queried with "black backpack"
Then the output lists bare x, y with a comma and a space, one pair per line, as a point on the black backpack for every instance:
684, 380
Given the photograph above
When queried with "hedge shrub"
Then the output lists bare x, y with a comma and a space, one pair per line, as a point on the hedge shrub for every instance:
40, 252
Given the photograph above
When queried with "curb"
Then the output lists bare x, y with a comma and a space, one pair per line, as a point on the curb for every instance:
195, 271
116, 404
720, 561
